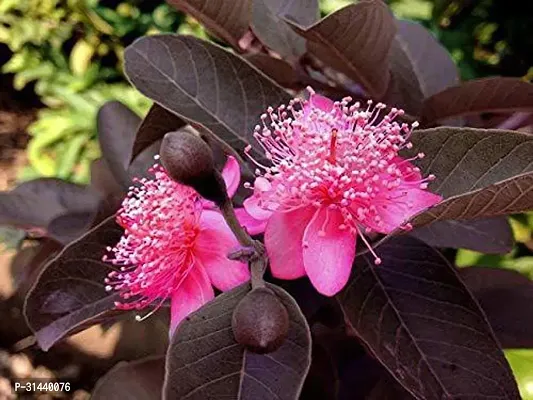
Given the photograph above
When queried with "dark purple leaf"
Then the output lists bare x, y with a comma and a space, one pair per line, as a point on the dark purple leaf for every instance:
322, 381
36, 203
140, 165
489, 235
346, 371
494, 94
136, 380
29, 260
480, 173
117, 126
204, 361
424, 326
102, 179
67, 227
157, 122
303, 12
69, 294
430, 60
226, 19
356, 41
387, 389
279, 70
267, 14
204, 84
420, 67
506, 297
404, 89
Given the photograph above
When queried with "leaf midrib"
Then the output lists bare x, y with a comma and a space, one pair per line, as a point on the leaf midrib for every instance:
193, 99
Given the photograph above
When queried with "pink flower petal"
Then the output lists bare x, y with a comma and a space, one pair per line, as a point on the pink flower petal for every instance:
328, 252
405, 204
232, 175
193, 293
283, 241
252, 225
251, 205
317, 101
407, 169
213, 244
321, 102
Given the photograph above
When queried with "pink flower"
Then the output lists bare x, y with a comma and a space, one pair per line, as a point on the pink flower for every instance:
335, 175
174, 247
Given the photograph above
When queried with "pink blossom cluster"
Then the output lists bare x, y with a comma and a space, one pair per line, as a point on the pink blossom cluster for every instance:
333, 175
174, 246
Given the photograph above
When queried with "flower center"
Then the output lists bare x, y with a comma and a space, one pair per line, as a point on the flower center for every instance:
341, 156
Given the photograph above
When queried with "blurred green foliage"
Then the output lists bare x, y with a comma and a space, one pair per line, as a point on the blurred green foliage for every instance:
485, 37
520, 259
521, 361
71, 51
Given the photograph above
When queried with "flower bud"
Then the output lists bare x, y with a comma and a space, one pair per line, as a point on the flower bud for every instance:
189, 160
260, 321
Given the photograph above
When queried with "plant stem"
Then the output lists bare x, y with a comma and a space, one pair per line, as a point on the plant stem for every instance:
257, 259
231, 218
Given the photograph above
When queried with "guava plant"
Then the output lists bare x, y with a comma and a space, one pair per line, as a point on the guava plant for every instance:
291, 200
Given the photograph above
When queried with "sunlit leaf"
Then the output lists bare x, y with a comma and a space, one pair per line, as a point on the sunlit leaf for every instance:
522, 364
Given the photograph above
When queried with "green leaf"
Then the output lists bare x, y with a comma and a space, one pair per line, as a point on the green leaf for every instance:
521, 361
71, 155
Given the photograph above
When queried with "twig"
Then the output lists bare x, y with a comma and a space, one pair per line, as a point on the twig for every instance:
251, 251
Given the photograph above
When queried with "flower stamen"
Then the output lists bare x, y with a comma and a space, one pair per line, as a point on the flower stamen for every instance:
333, 146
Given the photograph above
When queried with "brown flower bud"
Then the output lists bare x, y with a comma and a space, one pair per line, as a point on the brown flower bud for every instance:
260, 321
189, 160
